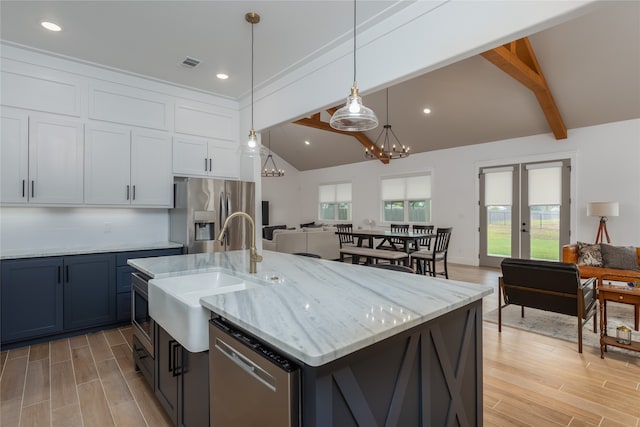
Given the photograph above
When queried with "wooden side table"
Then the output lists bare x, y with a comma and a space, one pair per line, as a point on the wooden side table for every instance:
606, 293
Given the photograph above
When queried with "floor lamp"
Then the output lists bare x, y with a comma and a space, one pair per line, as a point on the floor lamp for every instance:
603, 210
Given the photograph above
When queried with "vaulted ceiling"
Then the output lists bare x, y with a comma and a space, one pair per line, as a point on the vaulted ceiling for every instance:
591, 65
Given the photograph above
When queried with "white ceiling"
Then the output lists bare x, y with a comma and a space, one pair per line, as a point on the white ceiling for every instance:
592, 65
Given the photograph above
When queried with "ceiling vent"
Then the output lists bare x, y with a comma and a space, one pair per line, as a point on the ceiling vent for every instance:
190, 62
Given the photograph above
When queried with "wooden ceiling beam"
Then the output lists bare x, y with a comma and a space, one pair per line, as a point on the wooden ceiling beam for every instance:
518, 60
315, 122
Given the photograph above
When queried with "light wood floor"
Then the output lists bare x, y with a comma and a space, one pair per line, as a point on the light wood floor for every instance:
529, 380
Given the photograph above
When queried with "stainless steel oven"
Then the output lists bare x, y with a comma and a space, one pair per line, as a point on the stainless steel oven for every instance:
143, 326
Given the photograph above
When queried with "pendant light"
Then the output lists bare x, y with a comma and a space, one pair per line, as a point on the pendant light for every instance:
274, 171
252, 143
354, 116
388, 148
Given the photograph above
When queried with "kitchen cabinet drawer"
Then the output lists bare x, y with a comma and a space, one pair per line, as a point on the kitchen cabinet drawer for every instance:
143, 360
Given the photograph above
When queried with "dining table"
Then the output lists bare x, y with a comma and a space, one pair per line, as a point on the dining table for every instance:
407, 238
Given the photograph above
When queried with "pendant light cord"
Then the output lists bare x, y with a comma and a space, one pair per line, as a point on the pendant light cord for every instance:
252, 25
354, 42
387, 105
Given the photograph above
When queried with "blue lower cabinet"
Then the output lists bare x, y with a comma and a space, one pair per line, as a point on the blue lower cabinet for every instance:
123, 307
89, 290
49, 296
32, 293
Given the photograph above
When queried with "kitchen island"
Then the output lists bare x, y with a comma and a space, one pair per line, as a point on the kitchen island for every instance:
375, 347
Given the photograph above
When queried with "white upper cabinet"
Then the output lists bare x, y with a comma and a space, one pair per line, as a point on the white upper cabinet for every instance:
190, 156
107, 174
56, 159
205, 157
14, 156
151, 179
225, 161
210, 121
127, 168
73, 135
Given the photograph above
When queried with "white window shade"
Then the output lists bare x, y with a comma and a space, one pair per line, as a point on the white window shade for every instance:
545, 186
393, 189
418, 187
327, 193
498, 188
343, 192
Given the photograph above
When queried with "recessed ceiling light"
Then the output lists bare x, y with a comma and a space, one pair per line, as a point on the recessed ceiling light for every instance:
427, 111
51, 26
307, 143
222, 76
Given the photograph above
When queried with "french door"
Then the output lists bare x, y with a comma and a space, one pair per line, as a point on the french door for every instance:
524, 211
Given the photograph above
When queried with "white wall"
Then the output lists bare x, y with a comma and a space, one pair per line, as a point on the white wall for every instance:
605, 161
45, 228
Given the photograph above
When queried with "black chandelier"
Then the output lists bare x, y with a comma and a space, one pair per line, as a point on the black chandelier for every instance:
272, 171
388, 148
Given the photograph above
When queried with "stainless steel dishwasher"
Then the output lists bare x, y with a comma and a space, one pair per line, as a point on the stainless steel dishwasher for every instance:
249, 383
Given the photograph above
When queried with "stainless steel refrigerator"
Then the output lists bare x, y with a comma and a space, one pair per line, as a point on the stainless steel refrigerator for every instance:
200, 207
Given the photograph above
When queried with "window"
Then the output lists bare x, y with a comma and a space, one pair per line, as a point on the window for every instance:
335, 202
406, 199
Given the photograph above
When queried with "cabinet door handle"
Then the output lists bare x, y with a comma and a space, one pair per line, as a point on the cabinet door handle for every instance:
134, 192
127, 192
33, 191
210, 167
176, 367
171, 343
205, 164
66, 270
23, 182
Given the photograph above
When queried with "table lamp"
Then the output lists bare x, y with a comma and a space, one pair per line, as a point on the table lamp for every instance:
603, 210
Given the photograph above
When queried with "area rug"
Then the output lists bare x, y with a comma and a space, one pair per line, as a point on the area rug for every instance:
566, 327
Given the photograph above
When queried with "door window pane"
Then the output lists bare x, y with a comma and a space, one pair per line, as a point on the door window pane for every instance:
499, 230
544, 231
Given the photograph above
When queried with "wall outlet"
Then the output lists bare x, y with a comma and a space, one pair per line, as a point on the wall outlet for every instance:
107, 227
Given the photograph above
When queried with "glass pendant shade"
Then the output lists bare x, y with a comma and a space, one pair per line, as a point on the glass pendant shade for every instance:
354, 116
252, 142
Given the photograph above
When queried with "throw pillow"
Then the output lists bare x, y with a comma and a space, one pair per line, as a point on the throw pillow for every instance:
589, 254
623, 257
308, 224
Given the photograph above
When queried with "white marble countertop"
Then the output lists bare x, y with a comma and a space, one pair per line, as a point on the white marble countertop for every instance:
38, 253
319, 310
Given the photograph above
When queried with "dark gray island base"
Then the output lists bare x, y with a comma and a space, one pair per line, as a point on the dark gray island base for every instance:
430, 375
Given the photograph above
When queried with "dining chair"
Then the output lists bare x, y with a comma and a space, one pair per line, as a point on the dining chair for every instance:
426, 260
344, 233
425, 244
395, 228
